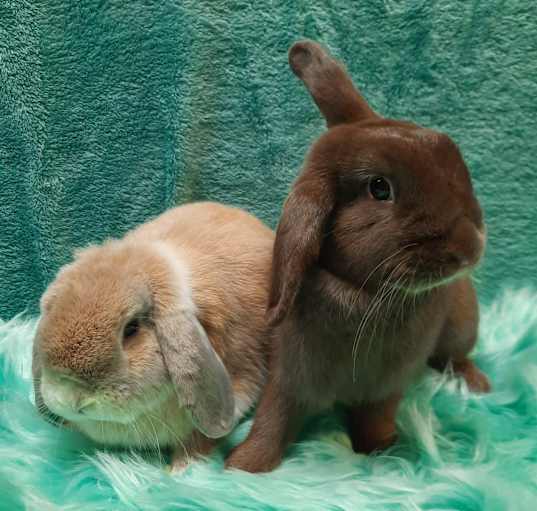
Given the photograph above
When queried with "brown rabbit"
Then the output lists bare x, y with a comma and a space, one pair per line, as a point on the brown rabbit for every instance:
159, 339
370, 272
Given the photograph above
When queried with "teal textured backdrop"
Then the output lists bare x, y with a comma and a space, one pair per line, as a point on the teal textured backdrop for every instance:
112, 111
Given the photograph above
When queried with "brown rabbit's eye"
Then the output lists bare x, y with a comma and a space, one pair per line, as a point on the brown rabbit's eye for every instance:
380, 188
131, 328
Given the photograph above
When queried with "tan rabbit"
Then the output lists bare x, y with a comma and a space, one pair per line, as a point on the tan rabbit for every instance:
158, 339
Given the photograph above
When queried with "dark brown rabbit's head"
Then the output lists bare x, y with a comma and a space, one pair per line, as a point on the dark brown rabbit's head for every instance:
377, 199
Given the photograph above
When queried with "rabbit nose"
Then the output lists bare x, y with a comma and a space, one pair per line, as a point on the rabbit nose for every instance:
466, 243
66, 378
82, 405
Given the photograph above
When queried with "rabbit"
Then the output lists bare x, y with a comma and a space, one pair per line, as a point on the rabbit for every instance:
370, 278
158, 340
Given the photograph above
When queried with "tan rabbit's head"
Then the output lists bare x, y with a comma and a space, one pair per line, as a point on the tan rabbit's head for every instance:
119, 336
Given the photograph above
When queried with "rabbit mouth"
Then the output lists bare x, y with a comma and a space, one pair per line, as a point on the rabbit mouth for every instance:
87, 409
154, 429
91, 410
413, 275
71, 403
438, 261
419, 276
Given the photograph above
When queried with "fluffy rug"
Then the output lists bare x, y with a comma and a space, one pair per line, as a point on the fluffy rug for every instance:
456, 450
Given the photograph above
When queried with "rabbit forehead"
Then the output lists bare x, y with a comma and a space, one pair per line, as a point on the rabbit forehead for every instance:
423, 157
103, 284
80, 340
388, 144
92, 300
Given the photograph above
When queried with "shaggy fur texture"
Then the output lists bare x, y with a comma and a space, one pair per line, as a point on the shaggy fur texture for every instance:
456, 451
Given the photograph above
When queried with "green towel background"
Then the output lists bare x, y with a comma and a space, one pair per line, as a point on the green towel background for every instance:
112, 111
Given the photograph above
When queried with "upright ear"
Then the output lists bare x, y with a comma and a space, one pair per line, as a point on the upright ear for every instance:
299, 237
199, 377
329, 84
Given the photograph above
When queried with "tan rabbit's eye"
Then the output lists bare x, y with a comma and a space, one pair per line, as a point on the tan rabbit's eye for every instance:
380, 188
131, 329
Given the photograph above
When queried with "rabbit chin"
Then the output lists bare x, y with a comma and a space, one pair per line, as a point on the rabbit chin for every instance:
166, 425
419, 288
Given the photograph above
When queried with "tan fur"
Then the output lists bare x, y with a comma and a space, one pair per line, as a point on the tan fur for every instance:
230, 267
205, 258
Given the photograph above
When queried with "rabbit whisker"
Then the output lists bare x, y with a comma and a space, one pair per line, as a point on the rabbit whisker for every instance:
384, 261
374, 304
356, 339
397, 316
175, 437
391, 302
381, 302
157, 443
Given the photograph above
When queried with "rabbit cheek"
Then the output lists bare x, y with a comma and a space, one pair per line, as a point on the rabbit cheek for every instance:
143, 382
359, 240
144, 364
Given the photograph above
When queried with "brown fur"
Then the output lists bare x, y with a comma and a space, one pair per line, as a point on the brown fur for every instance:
364, 291
80, 344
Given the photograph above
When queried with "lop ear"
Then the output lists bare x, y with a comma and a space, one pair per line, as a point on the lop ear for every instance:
329, 84
299, 237
199, 377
